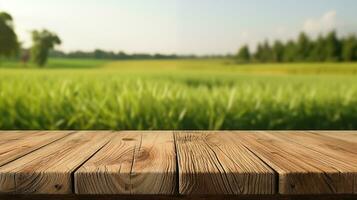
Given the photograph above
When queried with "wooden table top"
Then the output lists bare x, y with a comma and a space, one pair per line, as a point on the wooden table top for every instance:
178, 163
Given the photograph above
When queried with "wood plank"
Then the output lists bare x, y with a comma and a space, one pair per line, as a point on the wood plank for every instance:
13, 134
132, 163
178, 197
214, 163
349, 136
342, 150
48, 170
14, 144
301, 170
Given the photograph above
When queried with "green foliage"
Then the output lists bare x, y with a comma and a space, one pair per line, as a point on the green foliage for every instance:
289, 51
332, 47
303, 47
8, 39
110, 55
243, 54
43, 42
264, 52
267, 53
318, 52
278, 51
349, 51
181, 94
55, 63
327, 48
258, 56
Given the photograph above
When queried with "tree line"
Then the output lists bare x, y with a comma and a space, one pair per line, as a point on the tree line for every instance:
110, 55
324, 48
44, 42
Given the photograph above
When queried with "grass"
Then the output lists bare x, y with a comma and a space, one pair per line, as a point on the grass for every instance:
178, 94
55, 64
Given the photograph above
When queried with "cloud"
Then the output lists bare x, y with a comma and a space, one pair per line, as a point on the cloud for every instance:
248, 37
325, 23
245, 35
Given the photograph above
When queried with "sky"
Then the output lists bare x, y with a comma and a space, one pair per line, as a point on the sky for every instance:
178, 26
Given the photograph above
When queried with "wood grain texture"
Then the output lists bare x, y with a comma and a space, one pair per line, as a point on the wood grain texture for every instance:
48, 170
14, 144
349, 136
342, 150
301, 170
234, 164
215, 163
132, 163
178, 197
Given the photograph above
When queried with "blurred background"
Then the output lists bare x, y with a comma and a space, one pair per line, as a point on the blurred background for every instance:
178, 64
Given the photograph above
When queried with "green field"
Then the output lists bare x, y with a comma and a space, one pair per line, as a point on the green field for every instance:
177, 94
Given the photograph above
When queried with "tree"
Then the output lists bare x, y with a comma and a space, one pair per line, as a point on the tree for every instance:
322, 49
258, 56
99, 54
303, 47
278, 51
349, 48
289, 51
243, 55
267, 55
43, 42
264, 52
9, 45
318, 51
332, 47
